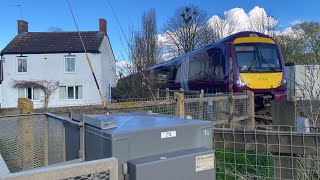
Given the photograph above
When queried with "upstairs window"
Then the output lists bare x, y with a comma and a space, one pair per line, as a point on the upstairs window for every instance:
70, 92
70, 64
22, 65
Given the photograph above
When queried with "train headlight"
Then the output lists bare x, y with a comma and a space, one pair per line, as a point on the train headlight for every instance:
284, 82
240, 82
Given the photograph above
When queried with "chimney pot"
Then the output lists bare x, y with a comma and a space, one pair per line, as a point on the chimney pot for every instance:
103, 25
22, 26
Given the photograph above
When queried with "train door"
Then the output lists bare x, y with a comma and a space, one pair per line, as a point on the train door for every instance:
218, 59
184, 74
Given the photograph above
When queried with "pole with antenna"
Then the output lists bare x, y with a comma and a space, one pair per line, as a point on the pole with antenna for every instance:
19, 6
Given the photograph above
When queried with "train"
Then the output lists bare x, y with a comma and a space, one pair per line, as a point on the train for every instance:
249, 60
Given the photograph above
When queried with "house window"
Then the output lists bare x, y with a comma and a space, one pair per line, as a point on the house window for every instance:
70, 64
70, 92
22, 65
31, 93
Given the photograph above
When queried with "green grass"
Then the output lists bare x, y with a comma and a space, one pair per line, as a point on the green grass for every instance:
238, 164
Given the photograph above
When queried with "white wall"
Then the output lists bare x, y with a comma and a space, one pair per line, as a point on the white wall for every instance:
52, 68
108, 68
299, 81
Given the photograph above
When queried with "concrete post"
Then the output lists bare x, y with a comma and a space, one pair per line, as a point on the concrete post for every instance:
284, 115
283, 119
251, 123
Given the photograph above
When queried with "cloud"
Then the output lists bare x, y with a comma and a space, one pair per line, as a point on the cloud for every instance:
233, 21
123, 67
236, 20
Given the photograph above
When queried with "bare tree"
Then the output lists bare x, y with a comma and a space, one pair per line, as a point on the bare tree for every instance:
142, 52
47, 87
187, 30
264, 24
223, 26
309, 34
291, 48
145, 49
309, 94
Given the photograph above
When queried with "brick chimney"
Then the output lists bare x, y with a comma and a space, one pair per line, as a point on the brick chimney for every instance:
103, 25
22, 26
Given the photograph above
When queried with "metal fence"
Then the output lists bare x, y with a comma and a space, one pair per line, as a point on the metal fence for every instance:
246, 153
34, 147
90, 170
26, 141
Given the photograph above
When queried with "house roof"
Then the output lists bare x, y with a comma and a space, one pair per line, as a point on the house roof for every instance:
54, 42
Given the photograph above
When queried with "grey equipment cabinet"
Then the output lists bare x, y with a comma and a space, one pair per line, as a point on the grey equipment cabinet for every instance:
150, 146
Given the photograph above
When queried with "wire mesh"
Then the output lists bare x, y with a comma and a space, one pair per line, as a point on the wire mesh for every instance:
217, 109
161, 109
26, 141
243, 153
92, 176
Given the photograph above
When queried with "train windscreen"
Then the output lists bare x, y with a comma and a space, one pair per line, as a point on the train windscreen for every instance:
257, 57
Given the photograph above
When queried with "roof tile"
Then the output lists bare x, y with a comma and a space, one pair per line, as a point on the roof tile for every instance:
54, 42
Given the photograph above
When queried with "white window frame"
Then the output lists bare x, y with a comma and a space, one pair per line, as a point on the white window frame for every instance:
17, 64
32, 93
74, 92
64, 64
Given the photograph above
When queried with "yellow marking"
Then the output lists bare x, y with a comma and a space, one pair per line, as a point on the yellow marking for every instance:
253, 40
262, 80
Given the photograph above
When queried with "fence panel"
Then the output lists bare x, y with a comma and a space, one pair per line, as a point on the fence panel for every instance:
195, 105
31, 141
246, 153
90, 170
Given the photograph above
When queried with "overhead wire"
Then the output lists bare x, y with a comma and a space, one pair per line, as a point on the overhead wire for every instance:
143, 75
88, 59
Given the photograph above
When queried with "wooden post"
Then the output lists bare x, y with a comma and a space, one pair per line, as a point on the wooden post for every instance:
230, 92
167, 94
201, 104
158, 93
251, 123
179, 105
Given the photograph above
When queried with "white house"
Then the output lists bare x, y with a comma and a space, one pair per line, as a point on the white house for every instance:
57, 57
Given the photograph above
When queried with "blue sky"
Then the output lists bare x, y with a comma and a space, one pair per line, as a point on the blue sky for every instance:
41, 14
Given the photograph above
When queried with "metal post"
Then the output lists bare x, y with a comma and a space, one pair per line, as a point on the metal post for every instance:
157, 93
82, 139
167, 94
201, 104
230, 92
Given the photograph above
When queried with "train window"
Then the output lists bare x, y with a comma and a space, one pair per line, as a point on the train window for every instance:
200, 67
162, 78
256, 57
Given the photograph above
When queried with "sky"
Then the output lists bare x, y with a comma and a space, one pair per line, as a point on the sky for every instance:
42, 14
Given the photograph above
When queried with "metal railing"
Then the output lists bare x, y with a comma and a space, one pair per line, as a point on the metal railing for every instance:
98, 169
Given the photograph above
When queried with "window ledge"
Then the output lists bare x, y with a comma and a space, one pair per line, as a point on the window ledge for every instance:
70, 72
